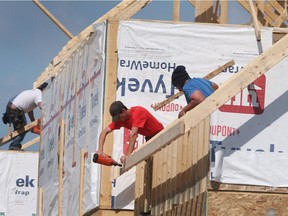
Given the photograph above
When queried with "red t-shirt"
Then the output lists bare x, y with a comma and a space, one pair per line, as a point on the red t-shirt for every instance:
146, 123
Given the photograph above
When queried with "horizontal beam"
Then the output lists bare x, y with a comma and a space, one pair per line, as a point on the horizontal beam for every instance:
31, 142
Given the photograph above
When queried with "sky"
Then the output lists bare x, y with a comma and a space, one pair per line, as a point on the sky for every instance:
29, 40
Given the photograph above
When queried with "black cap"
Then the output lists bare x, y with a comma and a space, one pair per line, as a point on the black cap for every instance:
43, 86
179, 76
115, 110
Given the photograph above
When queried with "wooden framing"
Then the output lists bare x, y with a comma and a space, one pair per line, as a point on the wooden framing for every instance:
255, 21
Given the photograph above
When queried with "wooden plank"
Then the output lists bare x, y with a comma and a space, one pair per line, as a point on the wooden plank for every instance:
237, 82
204, 11
31, 142
110, 96
154, 184
40, 202
54, 19
255, 21
276, 5
8, 138
208, 77
176, 10
192, 2
139, 189
81, 185
61, 166
223, 17
282, 17
156, 143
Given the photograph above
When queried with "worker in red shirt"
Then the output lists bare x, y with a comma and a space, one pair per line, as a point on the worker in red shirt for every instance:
137, 119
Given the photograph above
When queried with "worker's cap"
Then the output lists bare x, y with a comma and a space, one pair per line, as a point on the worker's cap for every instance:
179, 76
116, 109
43, 86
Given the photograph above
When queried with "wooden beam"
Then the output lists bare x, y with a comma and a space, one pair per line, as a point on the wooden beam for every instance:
176, 10
110, 96
31, 142
227, 90
61, 166
255, 21
223, 16
156, 143
54, 19
192, 2
204, 11
81, 185
282, 17
8, 138
208, 76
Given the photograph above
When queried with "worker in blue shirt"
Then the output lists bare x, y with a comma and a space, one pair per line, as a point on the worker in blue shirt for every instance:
194, 89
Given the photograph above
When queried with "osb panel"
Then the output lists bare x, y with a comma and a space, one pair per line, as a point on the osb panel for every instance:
245, 188
246, 204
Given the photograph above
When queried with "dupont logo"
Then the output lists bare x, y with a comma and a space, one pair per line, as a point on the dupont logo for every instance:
250, 100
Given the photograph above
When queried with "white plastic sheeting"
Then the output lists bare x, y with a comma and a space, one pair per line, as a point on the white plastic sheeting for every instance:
247, 135
18, 183
75, 96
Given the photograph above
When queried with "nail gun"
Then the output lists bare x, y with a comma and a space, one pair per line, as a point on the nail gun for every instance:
105, 160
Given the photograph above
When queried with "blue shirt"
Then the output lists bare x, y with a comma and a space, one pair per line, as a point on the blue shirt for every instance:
203, 85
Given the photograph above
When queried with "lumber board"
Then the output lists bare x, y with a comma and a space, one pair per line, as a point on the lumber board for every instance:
157, 142
9, 137
31, 142
255, 20
176, 10
61, 166
110, 96
208, 77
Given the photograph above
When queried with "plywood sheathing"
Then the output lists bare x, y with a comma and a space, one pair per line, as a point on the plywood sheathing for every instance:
246, 203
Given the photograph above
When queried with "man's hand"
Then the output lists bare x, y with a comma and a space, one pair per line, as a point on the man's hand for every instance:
181, 113
123, 159
99, 152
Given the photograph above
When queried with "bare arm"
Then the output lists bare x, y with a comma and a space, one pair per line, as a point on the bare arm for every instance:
31, 116
40, 105
132, 140
102, 138
215, 86
196, 98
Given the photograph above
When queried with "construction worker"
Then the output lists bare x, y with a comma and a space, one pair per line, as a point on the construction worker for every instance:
195, 89
137, 119
24, 102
